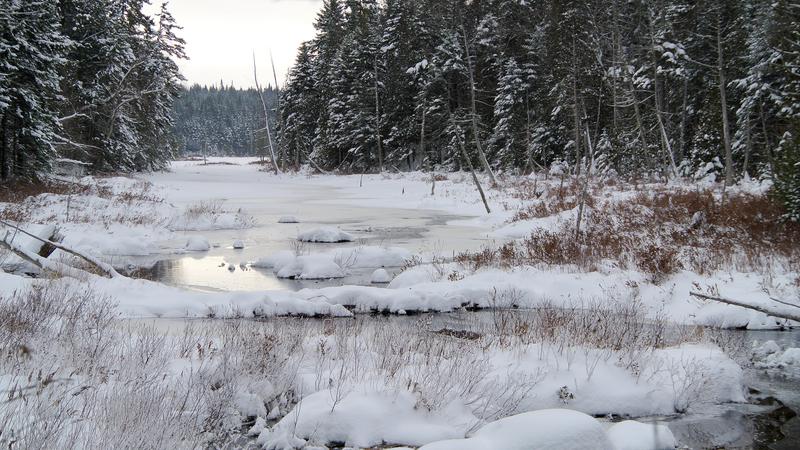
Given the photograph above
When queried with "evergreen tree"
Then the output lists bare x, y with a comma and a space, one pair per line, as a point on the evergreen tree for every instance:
31, 49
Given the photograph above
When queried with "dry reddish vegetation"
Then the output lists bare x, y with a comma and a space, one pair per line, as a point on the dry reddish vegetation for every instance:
659, 232
21, 201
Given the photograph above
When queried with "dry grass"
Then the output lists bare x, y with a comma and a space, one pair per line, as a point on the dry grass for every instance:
658, 232
98, 201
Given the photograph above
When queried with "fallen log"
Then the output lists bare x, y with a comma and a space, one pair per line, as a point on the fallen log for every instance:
43, 263
107, 269
781, 313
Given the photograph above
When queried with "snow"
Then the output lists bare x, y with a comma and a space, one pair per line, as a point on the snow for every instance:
26, 242
197, 244
238, 244
380, 276
369, 412
325, 234
553, 429
332, 264
769, 355
366, 419
288, 219
632, 435
311, 267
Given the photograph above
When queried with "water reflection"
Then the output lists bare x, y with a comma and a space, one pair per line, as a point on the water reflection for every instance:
217, 273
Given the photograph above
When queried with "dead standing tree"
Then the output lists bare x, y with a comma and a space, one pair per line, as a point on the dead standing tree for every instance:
474, 115
266, 118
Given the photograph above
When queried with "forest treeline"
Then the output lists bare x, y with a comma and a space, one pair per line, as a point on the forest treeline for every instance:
92, 80
223, 120
657, 87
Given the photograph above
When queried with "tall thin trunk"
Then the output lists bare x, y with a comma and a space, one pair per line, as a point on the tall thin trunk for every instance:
472, 171
767, 146
3, 148
615, 64
281, 148
748, 143
637, 114
528, 148
421, 148
665, 142
575, 108
684, 117
378, 118
266, 118
724, 105
476, 134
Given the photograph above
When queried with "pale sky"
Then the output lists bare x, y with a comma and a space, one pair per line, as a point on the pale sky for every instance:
221, 36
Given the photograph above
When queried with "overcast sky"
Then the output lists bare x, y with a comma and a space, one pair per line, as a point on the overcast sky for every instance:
221, 36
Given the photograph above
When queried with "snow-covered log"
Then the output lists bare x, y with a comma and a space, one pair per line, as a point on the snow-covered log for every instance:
772, 310
106, 269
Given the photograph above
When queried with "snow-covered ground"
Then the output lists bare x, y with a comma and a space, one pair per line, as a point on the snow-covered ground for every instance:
412, 384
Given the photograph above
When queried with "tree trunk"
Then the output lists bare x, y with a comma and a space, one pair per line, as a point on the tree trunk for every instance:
3, 148
472, 171
378, 118
575, 109
666, 145
281, 148
684, 117
476, 134
726, 138
421, 148
266, 117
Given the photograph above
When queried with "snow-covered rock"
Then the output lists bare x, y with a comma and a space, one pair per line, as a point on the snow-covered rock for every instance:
325, 234
552, 429
288, 219
238, 244
380, 276
197, 244
633, 435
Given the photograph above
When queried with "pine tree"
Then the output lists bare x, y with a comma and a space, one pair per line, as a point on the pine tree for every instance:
31, 54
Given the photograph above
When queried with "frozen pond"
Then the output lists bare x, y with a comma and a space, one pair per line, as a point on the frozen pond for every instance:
420, 231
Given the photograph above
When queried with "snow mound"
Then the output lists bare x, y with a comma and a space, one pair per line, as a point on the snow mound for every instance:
365, 419
288, 219
380, 276
276, 260
311, 267
770, 356
766, 349
325, 234
333, 264
553, 429
633, 435
238, 244
197, 244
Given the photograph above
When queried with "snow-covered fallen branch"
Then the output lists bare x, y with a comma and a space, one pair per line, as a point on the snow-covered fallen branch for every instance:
43, 263
107, 269
769, 310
